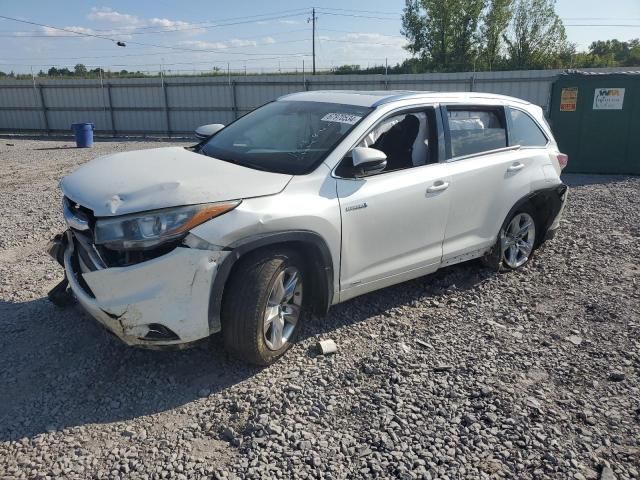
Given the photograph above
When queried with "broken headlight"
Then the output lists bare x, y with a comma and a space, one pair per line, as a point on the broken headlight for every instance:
149, 229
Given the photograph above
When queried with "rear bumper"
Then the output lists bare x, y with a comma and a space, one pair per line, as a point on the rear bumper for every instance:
563, 193
162, 302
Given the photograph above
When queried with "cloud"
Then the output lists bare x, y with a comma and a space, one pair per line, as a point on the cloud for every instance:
52, 32
166, 23
377, 39
106, 14
242, 43
128, 23
289, 22
232, 43
364, 49
177, 25
202, 45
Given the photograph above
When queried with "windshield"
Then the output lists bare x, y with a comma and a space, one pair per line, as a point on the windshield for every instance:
285, 137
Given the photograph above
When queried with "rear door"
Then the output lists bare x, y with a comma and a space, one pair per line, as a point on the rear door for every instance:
487, 177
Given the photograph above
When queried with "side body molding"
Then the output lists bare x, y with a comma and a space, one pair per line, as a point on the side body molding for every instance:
322, 266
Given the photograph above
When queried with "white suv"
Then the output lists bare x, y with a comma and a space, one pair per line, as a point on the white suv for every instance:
306, 202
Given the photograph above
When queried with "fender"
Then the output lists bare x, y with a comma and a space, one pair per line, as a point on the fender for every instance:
547, 203
238, 249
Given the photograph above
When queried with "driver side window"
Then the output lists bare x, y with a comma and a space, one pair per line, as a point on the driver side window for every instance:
402, 139
407, 139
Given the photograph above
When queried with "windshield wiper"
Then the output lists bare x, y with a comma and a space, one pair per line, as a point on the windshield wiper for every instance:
235, 162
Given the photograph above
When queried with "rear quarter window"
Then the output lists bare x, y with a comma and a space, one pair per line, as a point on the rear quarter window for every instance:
525, 131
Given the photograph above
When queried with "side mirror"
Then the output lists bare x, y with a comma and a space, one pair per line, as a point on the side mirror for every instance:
205, 131
367, 161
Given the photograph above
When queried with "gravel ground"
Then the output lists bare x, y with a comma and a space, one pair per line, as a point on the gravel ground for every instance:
462, 374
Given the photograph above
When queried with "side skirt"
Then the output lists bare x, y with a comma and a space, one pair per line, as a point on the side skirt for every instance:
466, 256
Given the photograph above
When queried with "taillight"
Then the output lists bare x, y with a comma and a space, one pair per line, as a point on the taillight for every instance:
563, 159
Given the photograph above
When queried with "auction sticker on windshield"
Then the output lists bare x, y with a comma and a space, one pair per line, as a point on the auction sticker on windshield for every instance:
341, 118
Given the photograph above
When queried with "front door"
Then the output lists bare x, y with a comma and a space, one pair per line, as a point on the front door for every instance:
393, 222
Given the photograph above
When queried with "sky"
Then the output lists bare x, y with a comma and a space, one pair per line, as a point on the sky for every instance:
251, 35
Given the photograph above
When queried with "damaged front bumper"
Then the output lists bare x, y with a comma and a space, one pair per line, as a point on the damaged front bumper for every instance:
161, 302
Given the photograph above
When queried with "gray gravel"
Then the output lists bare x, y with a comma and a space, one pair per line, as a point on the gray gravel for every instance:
462, 374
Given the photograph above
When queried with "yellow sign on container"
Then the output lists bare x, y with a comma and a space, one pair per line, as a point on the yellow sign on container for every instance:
569, 99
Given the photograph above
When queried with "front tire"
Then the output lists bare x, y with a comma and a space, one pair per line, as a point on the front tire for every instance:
262, 306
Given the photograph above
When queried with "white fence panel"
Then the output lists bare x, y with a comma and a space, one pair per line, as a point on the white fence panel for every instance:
173, 105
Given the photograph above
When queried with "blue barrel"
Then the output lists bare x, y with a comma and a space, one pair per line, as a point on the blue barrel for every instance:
83, 133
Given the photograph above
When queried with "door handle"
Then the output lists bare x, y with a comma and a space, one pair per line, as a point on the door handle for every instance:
514, 167
439, 186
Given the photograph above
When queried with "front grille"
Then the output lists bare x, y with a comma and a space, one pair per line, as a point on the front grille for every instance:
91, 259
79, 262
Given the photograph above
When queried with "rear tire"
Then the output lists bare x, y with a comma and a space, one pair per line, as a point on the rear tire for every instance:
262, 305
515, 243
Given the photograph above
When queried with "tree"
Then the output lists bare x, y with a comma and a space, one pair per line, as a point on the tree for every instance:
443, 33
537, 38
52, 72
346, 69
495, 22
616, 53
80, 70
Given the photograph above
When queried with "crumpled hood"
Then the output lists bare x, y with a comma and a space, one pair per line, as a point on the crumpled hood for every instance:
142, 180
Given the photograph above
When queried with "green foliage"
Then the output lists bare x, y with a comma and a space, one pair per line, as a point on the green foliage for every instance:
443, 33
536, 38
464, 35
495, 22
609, 53
346, 69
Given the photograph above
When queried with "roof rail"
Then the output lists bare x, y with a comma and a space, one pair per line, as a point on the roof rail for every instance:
395, 98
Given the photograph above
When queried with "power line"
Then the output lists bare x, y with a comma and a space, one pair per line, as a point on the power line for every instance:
358, 33
322, 12
133, 32
215, 22
104, 37
127, 30
598, 25
599, 19
162, 53
103, 66
362, 43
359, 11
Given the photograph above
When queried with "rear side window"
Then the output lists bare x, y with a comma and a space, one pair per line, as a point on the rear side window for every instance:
524, 130
476, 130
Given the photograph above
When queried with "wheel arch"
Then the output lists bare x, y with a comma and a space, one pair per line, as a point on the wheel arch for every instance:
314, 249
545, 204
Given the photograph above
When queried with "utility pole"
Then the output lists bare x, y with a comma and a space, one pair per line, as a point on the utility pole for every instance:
313, 39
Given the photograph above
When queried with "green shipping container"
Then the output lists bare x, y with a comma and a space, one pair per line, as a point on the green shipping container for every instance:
595, 118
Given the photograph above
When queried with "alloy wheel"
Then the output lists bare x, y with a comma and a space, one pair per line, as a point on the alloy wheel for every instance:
283, 308
518, 239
